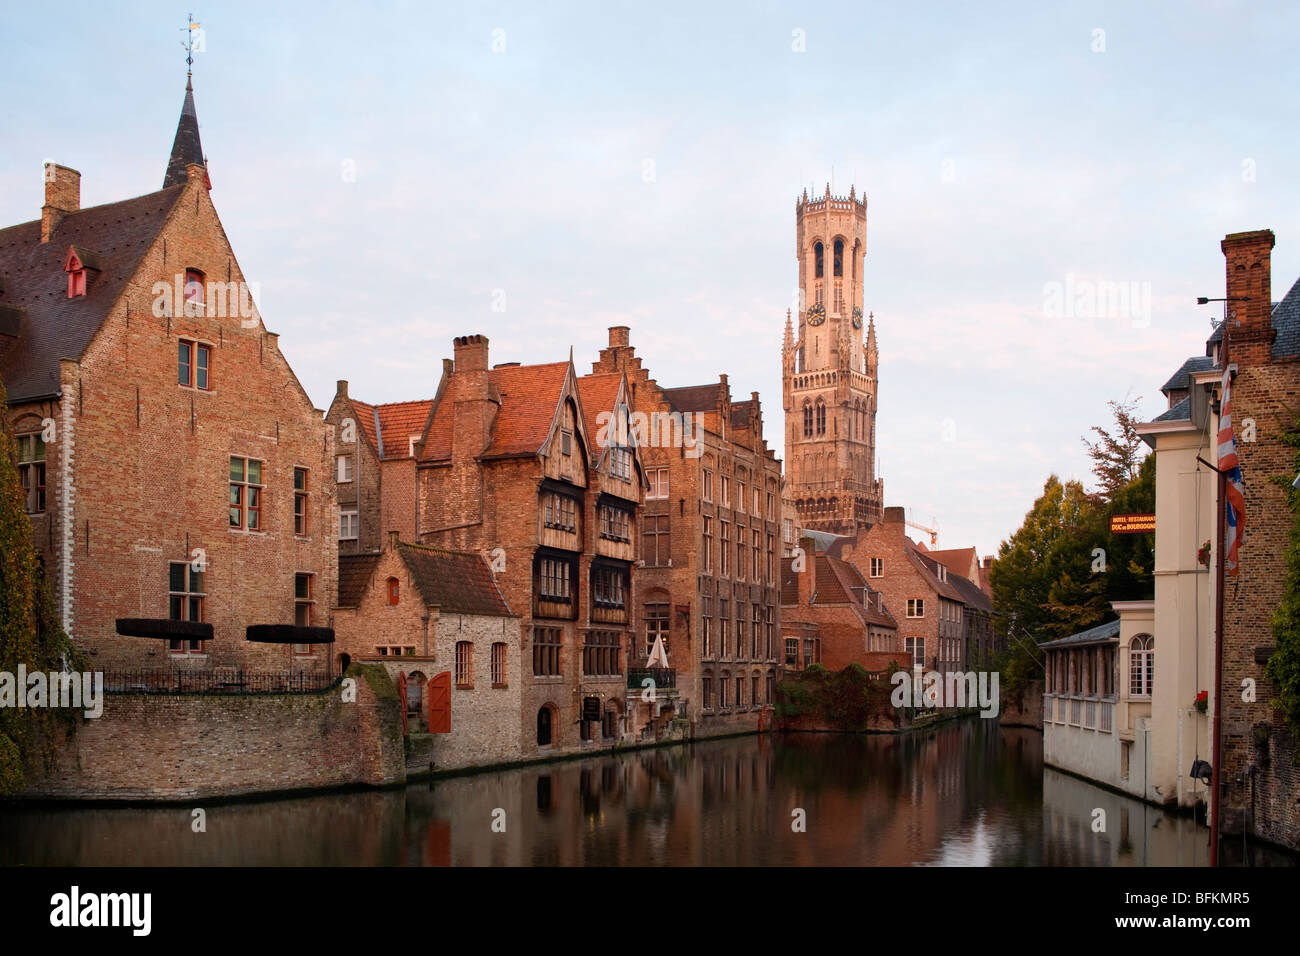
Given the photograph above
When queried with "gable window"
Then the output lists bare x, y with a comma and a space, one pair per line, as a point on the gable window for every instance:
349, 524
344, 465
300, 501
1141, 665
916, 607
192, 362
566, 442
76, 283
393, 592
185, 599
193, 292
31, 472
877, 567
620, 463
245, 493
499, 664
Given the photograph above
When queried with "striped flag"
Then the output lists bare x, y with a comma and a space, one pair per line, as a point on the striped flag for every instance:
1234, 530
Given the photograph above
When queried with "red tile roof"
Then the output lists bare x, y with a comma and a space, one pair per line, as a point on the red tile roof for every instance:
458, 583
355, 572
529, 396
599, 393
365, 415
398, 421
957, 560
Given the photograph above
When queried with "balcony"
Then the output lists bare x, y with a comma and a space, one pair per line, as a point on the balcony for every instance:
664, 677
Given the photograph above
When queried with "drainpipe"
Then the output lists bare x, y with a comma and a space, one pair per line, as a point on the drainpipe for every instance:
424, 619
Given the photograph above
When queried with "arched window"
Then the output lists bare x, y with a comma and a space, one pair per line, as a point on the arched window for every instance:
194, 297
1141, 665
394, 592
839, 257
819, 254
544, 740
807, 420
821, 417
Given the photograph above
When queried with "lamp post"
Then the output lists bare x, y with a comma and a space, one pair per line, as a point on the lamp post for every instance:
1216, 775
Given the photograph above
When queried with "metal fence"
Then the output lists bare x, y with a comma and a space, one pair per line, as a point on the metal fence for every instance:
218, 682
663, 677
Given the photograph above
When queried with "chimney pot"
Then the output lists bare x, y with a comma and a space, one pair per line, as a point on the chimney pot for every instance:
471, 353
619, 336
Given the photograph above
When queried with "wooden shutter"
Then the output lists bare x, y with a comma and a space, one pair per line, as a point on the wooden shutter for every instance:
439, 689
402, 696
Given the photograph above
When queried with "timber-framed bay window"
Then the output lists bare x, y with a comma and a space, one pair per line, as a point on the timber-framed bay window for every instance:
554, 577
559, 511
610, 586
615, 523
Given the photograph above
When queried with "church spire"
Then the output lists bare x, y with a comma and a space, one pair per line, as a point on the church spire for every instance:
186, 147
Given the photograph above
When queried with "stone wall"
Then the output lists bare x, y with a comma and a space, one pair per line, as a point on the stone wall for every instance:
193, 747
1022, 709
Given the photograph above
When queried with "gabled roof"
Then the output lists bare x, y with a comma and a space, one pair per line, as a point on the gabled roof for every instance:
971, 593
397, 422
53, 326
839, 582
529, 396
1182, 379
366, 421
694, 398
599, 392
458, 583
1286, 319
355, 572
956, 560
1183, 410
930, 570
1101, 634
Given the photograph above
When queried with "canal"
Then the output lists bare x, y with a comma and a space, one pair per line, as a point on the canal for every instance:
967, 793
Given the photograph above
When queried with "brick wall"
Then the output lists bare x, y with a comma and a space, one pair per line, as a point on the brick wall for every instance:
196, 747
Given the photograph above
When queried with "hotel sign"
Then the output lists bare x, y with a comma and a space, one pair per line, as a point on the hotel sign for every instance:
1132, 524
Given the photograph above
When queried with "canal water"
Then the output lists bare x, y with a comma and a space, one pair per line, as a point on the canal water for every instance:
967, 793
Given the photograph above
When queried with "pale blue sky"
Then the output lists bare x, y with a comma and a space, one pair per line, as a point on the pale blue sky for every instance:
523, 171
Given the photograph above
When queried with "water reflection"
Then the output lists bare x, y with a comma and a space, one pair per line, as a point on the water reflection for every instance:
966, 794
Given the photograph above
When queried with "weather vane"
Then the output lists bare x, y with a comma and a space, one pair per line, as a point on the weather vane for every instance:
190, 26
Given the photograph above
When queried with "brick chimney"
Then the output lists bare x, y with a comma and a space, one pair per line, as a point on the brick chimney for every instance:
1249, 332
893, 521
807, 578
472, 422
620, 353
62, 196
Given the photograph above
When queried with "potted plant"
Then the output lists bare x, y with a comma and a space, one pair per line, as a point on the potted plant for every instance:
1203, 555
1202, 702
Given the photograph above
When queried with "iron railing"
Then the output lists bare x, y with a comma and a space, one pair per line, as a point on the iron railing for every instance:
179, 681
662, 676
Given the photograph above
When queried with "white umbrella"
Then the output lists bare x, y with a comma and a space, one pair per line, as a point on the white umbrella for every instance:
658, 654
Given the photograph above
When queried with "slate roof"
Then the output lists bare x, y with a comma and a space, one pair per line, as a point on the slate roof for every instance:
1285, 317
1182, 379
355, 572
1183, 410
970, 592
693, 398
741, 414
839, 582
52, 326
1101, 634
826, 542
458, 583
186, 147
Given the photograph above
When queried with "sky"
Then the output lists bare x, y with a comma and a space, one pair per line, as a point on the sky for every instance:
395, 175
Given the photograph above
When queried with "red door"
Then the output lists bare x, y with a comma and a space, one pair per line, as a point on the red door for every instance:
440, 703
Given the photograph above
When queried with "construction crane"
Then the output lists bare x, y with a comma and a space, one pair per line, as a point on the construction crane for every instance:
932, 532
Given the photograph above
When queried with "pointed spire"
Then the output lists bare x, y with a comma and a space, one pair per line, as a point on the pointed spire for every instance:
789, 332
186, 148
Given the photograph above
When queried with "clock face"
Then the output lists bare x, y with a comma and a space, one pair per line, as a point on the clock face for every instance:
816, 315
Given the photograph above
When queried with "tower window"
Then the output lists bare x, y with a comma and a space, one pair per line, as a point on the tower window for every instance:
807, 420
839, 257
821, 417
819, 253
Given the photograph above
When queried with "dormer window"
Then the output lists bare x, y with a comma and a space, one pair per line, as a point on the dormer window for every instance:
194, 296
77, 264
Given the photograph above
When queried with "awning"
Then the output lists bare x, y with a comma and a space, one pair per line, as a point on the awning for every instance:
164, 629
288, 634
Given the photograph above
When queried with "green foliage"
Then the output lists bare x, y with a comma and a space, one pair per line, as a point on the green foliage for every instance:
1047, 580
844, 699
1283, 668
29, 630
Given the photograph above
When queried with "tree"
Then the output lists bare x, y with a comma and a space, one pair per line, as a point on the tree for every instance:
1283, 667
29, 629
1114, 455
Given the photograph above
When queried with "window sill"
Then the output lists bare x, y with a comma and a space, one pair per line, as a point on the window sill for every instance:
549, 678
500, 686
464, 686
260, 534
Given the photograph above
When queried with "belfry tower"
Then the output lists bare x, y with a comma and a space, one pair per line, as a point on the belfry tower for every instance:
828, 372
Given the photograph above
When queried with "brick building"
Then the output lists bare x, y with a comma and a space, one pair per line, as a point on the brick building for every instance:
709, 580
428, 614
374, 446
830, 615
174, 467
828, 373
1259, 770
919, 591
503, 465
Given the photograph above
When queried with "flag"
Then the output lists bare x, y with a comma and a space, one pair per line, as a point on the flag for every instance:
1234, 528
